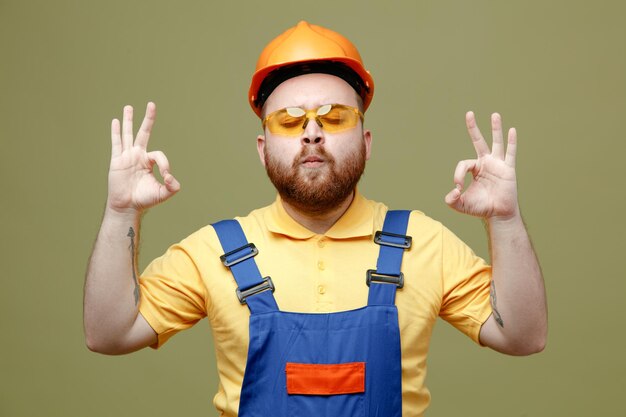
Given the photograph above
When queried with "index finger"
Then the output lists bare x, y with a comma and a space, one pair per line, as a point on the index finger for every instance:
143, 135
477, 138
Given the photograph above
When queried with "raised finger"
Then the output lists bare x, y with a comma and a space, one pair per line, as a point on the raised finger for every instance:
511, 147
477, 138
116, 139
127, 128
497, 148
462, 168
143, 135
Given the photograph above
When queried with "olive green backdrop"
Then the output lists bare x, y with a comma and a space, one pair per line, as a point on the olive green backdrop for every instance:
554, 69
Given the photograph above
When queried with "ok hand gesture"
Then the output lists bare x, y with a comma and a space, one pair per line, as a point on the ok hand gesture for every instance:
492, 192
132, 185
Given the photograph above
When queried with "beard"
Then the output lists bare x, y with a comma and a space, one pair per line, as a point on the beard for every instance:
315, 190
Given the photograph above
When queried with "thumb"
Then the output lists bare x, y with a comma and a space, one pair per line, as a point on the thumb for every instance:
453, 198
171, 184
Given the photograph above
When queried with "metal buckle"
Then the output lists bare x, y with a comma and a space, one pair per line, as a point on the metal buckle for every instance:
253, 252
378, 239
373, 276
267, 284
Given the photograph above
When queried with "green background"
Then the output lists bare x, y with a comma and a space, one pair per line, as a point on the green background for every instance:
554, 69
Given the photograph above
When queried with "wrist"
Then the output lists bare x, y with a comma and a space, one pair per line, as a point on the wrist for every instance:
505, 222
124, 214
116, 224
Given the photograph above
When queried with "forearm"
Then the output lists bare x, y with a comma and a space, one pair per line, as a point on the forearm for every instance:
111, 297
518, 293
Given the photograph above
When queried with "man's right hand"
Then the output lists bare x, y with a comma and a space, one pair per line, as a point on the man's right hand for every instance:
132, 184
113, 324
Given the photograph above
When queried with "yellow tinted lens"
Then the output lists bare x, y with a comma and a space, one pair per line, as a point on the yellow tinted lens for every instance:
283, 123
338, 118
291, 121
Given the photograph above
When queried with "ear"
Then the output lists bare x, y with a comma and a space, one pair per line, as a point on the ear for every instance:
260, 147
367, 138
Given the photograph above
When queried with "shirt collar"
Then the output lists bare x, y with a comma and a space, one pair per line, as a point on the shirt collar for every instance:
357, 221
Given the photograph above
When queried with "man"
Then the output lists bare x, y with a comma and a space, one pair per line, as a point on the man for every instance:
300, 327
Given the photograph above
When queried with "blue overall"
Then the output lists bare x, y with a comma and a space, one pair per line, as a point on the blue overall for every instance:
335, 364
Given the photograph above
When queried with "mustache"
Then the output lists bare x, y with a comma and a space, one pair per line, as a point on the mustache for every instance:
318, 152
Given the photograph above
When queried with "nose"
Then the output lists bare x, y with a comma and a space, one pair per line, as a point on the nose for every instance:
312, 133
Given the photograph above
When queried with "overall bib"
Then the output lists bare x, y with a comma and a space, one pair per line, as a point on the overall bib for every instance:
323, 365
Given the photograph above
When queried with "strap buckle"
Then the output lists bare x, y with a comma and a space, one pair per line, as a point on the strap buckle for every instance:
379, 238
267, 284
373, 276
230, 262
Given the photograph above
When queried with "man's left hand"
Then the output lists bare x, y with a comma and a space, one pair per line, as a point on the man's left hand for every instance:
492, 192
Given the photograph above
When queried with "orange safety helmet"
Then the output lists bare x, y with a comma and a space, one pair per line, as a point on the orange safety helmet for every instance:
313, 47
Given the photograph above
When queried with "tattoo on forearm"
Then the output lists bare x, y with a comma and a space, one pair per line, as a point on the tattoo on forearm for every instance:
131, 234
496, 314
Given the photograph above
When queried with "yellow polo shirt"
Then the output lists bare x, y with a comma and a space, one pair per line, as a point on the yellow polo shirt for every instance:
318, 273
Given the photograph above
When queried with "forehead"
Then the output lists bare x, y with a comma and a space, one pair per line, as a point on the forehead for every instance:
310, 91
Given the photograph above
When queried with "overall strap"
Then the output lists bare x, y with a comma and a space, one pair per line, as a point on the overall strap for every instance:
387, 277
253, 289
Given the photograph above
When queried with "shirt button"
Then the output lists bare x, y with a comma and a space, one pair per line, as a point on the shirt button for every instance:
321, 243
321, 289
321, 266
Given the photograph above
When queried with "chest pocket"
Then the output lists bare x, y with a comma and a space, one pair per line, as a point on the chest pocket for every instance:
338, 389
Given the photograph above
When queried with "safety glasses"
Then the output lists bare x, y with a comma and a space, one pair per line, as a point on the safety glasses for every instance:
291, 121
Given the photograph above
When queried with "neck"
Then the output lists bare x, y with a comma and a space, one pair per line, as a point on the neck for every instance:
318, 222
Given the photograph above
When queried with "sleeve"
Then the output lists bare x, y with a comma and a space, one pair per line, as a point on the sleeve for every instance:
173, 296
466, 284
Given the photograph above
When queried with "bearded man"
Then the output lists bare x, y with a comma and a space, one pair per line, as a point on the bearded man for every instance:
323, 303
